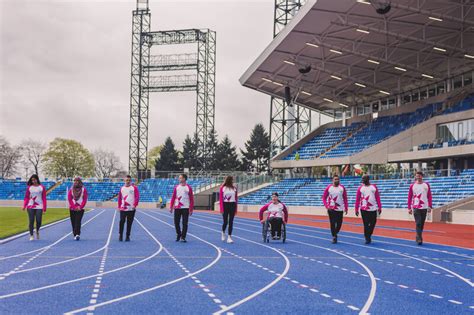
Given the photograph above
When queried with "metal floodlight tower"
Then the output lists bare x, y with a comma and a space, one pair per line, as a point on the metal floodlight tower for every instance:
287, 123
142, 83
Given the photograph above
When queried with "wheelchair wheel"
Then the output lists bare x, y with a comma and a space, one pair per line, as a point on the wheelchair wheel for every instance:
265, 232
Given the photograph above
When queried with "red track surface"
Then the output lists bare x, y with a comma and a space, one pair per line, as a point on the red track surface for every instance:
438, 233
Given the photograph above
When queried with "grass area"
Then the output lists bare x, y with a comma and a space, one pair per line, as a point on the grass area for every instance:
13, 220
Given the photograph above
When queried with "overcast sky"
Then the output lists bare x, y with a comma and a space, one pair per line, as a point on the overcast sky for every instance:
65, 70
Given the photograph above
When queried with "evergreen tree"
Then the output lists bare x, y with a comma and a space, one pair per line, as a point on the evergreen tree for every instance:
169, 159
211, 150
226, 156
190, 153
257, 150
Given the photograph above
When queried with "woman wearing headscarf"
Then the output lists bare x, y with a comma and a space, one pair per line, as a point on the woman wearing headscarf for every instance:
77, 197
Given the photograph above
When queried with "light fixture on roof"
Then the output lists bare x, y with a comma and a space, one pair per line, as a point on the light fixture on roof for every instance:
336, 77
401, 69
439, 49
362, 31
277, 83
469, 56
363, 2
328, 100
384, 92
360, 84
435, 19
289, 62
312, 45
267, 80
427, 76
343, 105
336, 51
306, 93
373, 61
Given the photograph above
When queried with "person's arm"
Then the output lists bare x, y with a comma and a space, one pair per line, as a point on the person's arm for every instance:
221, 199
173, 198
84, 198
191, 200
344, 197
357, 200
119, 198
27, 198
285, 212
70, 200
262, 210
410, 198
44, 198
325, 197
377, 198
430, 197
137, 196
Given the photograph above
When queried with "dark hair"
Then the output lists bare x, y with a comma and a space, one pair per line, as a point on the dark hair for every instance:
128, 176
335, 175
185, 176
30, 181
275, 194
229, 182
419, 173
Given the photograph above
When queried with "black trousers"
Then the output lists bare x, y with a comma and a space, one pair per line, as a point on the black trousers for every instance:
370, 219
32, 215
228, 216
420, 218
276, 225
76, 219
335, 219
178, 214
128, 216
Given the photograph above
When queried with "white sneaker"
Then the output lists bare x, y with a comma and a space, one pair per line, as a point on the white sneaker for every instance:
223, 236
229, 240
32, 238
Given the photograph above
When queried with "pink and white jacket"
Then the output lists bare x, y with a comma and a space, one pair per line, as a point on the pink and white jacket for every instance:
278, 210
227, 194
335, 198
128, 198
81, 202
183, 198
368, 198
35, 198
419, 196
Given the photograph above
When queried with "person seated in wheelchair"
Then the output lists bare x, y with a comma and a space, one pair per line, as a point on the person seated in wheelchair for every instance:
277, 213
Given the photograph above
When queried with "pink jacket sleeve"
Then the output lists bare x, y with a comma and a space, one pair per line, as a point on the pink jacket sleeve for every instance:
285, 211
357, 204
191, 200
262, 210
27, 197
137, 196
173, 198
325, 196
44, 198
377, 197
344, 196
70, 200
410, 196
430, 196
221, 199
119, 199
84, 199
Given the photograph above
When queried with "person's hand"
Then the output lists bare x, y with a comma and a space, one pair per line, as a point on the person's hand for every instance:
171, 210
23, 209
262, 221
357, 213
345, 212
410, 211
190, 213
429, 209
380, 211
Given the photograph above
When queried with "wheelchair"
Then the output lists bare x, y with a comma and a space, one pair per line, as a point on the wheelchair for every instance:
267, 232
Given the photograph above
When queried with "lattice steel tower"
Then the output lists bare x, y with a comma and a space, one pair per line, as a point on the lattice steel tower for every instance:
287, 123
142, 83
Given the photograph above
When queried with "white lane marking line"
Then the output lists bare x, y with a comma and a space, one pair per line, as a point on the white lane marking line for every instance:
418, 291
403, 286
353, 308
455, 302
436, 296
338, 301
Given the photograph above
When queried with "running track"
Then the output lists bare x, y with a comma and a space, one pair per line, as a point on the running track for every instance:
154, 274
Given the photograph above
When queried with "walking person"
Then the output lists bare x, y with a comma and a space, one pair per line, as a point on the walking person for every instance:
35, 204
182, 203
335, 201
277, 214
420, 202
228, 199
368, 201
77, 197
128, 199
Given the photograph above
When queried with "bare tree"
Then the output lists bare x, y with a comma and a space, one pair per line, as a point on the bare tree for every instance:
9, 158
33, 152
107, 164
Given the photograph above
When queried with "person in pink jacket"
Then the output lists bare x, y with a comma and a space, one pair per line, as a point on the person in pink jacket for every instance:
277, 213
228, 199
35, 204
335, 201
77, 197
128, 199
182, 203
420, 202
368, 201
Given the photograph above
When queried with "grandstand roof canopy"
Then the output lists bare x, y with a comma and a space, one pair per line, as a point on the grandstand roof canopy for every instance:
357, 55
